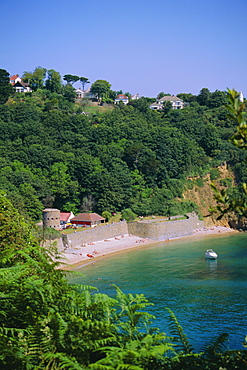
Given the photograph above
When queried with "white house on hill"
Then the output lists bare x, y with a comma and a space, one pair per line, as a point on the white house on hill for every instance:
123, 98
177, 103
19, 85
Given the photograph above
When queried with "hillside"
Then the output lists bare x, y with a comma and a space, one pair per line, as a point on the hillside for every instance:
121, 159
203, 195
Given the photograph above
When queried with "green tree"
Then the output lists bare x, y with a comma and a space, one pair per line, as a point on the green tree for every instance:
5, 87
160, 95
53, 82
187, 97
100, 88
69, 93
84, 81
71, 79
36, 78
59, 180
203, 96
128, 215
32, 205
107, 215
166, 107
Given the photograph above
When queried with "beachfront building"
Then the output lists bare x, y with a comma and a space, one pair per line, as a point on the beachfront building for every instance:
87, 219
65, 218
177, 103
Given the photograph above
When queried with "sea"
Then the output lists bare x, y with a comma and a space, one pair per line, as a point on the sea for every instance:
208, 297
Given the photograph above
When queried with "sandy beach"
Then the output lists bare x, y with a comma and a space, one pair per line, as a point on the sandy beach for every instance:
79, 256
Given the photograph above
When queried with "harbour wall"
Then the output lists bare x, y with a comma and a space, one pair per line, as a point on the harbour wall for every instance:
94, 234
168, 229
152, 229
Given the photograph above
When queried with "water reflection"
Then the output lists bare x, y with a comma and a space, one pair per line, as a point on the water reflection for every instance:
211, 264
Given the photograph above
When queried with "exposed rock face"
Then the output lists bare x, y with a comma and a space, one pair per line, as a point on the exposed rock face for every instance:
203, 196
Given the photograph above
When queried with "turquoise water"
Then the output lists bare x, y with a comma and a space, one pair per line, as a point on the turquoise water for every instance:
208, 297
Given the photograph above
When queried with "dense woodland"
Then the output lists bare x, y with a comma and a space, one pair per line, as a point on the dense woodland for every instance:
129, 157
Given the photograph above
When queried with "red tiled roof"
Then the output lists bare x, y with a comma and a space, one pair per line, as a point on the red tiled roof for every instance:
87, 217
12, 78
122, 96
64, 216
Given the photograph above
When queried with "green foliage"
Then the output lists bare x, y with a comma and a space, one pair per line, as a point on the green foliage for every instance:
189, 184
128, 215
48, 324
84, 81
107, 215
45, 233
226, 182
36, 78
214, 174
199, 182
70, 79
234, 206
178, 335
100, 88
6, 89
127, 157
54, 81
69, 94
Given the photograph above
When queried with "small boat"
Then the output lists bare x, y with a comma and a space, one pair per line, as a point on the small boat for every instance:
211, 254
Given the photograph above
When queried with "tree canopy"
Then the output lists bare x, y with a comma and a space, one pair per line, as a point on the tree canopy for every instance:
5, 87
100, 88
129, 157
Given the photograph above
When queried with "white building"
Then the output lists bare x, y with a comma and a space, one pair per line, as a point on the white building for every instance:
177, 103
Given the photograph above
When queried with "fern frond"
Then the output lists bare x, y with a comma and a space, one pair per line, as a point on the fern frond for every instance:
61, 361
178, 334
217, 346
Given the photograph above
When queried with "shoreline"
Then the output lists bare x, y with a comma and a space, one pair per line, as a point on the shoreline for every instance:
77, 257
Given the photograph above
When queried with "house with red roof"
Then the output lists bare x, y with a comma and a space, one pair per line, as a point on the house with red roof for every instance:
123, 98
87, 219
19, 85
65, 218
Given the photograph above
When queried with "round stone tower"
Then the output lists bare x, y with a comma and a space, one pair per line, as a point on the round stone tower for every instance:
51, 218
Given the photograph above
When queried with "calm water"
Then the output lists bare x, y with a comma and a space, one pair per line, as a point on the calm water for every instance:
207, 297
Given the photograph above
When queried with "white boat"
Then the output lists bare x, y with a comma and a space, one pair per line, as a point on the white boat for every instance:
211, 254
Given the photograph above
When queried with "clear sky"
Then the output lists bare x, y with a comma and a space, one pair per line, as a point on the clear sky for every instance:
139, 46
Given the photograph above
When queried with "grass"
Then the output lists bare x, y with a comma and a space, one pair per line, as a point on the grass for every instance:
96, 109
71, 230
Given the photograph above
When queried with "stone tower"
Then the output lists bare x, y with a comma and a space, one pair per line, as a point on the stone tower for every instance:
51, 218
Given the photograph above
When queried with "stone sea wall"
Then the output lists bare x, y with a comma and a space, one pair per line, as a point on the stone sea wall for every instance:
94, 234
167, 229
152, 229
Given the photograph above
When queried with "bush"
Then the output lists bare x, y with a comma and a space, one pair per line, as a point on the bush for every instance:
189, 184
46, 233
128, 215
199, 182
106, 215
226, 183
214, 174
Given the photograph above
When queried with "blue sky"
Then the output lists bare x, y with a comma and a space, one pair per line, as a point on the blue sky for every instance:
139, 46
